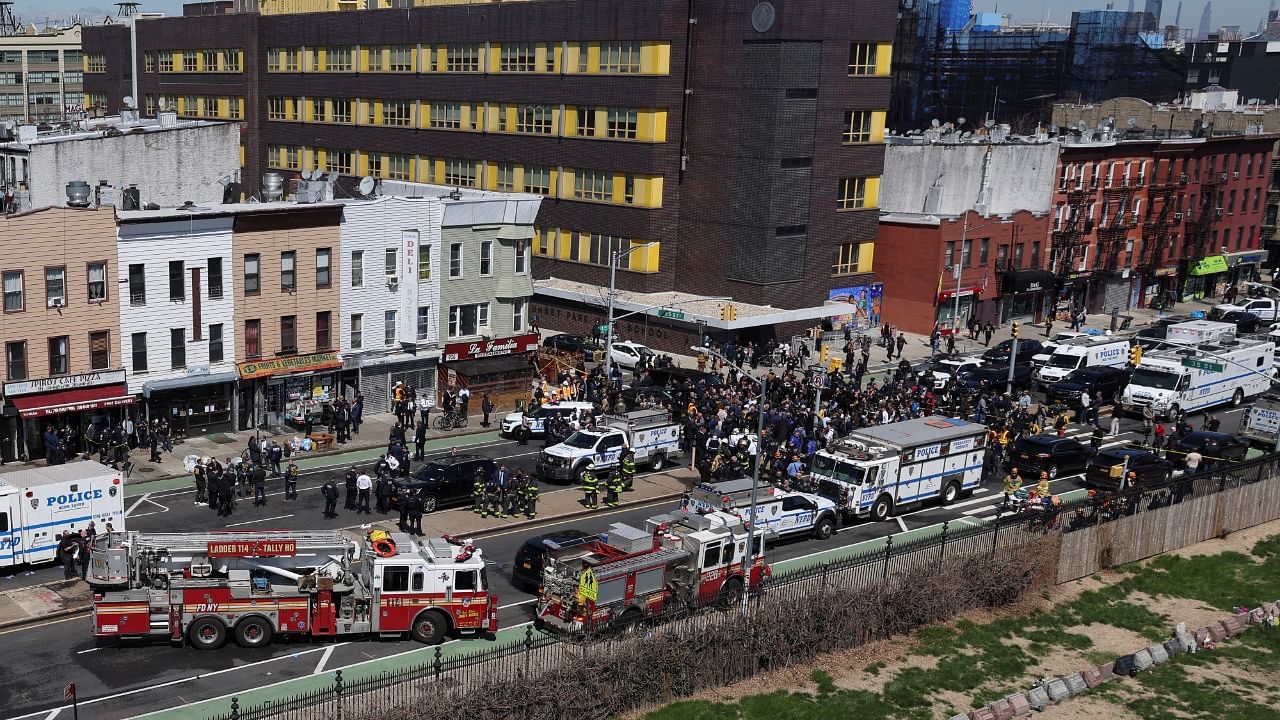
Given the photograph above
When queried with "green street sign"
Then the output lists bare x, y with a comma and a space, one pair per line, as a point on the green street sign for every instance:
1202, 365
602, 329
671, 314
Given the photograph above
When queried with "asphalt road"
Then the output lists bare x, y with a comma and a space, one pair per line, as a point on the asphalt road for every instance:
37, 661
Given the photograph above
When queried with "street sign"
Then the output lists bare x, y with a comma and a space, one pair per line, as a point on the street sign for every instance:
671, 314
817, 380
602, 329
69, 692
588, 588
1202, 365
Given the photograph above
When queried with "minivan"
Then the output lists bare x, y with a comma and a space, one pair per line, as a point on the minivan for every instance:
1083, 352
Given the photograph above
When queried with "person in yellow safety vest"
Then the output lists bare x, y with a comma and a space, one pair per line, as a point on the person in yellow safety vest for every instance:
1012, 484
1003, 437
628, 467
1042, 488
1034, 428
589, 486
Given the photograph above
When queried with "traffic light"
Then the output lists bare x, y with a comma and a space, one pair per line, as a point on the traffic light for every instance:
1135, 355
724, 312
728, 312
1015, 328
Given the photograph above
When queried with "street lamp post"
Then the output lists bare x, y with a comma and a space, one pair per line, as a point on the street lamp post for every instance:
755, 471
614, 257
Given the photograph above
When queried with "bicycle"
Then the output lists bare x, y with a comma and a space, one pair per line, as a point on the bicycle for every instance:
449, 420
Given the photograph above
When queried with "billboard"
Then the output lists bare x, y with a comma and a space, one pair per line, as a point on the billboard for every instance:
865, 303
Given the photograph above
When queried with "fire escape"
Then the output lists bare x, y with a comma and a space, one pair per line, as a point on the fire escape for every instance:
1069, 238
1160, 222
1201, 220
1116, 219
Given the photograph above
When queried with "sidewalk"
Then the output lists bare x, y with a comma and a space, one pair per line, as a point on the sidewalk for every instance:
42, 602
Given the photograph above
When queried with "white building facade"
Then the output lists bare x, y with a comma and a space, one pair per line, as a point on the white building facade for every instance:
390, 296
177, 327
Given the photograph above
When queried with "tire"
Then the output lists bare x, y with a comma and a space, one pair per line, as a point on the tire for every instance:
460, 421
1237, 398
630, 621
658, 461
950, 493
429, 627
439, 423
825, 528
207, 634
429, 503
880, 511
253, 632
1053, 472
731, 592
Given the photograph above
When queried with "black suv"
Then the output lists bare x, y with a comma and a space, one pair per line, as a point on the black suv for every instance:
999, 355
1033, 454
445, 480
1106, 380
987, 379
526, 572
581, 344
1152, 470
1215, 447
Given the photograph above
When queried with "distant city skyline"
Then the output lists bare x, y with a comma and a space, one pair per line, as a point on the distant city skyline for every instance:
1245, 13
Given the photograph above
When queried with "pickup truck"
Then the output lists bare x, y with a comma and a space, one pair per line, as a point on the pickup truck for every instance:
651, 434
1264, 308
783, 513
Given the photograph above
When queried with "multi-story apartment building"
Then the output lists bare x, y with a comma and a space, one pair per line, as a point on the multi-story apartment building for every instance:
42, 76
177, 324
60, 322
1248, 65
739, 142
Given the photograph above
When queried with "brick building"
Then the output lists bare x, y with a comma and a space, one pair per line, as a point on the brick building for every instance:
741, 145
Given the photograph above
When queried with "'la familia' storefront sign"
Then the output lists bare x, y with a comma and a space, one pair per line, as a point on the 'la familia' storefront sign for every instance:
295, 364
454, 352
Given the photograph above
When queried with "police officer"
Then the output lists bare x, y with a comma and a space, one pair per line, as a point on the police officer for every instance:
259, 486
155, 447
589, 486
477, 492
224, 493
330, 492
627, 465
199, 472
523, 431
529, 490
242, 476
415, 513
383, 492
214, 475
402, 499
350, 481
1012, 484
291, 481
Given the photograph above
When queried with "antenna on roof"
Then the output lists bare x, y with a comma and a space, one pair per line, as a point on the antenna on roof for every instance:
8, 22
127, 9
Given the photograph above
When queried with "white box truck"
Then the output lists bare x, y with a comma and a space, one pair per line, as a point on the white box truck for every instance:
651, 434
38, 504
1076, 353
878, 470
1195, 332
1261, 422
1196, 377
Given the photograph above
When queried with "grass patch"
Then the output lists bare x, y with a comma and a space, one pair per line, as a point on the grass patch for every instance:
821, 678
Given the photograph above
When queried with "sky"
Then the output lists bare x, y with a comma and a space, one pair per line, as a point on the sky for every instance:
1245, 13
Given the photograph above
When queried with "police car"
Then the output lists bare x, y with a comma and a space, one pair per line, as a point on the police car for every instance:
783, 513
538, 418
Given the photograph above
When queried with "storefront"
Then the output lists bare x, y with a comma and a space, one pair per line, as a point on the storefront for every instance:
957, 306
1245, 266
286, 390
1154, 289
1025, 294
1205, 278
198, 403
74, 401
504, 368
379, 375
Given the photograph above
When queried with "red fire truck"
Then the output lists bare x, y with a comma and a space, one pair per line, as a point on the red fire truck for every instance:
680, 559
251, 586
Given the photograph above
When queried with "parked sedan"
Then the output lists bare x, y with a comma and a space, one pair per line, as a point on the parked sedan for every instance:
999, 355
1215, 447
1106, 380
1105, 468
1033, 454
581, 344
1246, 322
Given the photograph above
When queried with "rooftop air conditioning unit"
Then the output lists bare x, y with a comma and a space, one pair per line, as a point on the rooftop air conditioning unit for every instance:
1235, 176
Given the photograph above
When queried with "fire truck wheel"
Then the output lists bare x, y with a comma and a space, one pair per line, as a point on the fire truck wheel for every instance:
880, 511
207, 634
825, 528
950, 493
429, 627
731, 592
658, 462
253, 632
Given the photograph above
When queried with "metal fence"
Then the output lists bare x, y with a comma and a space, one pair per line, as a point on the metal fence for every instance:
1085, 536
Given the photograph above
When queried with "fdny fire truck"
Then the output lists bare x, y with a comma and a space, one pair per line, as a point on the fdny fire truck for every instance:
251, 586
682, 559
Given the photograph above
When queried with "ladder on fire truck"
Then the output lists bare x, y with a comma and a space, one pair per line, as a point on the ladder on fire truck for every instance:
610, 569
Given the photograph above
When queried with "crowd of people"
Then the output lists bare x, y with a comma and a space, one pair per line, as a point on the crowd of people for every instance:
109, 442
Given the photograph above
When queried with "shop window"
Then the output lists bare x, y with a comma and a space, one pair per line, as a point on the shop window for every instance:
215, 343
289, 334
177, 348
357, 331
177, 281
252, 274
215, 277
138, 350
324, 341
55, 286
59, 355
99, 350
252, 338
15, 357
97, 281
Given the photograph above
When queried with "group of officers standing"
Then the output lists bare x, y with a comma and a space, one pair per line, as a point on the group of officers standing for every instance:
504, 494
221, 486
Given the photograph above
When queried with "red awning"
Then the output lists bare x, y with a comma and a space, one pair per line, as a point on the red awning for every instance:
56, 403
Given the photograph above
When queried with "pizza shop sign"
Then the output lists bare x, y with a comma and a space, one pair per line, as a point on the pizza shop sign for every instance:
454, 352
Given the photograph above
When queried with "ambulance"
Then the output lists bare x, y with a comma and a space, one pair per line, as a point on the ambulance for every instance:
37, 504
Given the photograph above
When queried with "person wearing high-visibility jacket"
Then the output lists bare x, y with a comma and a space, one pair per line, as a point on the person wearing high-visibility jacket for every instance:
1012, 484
478, 492
589, 486
628, 466
611, 485
529, 491
1042, 488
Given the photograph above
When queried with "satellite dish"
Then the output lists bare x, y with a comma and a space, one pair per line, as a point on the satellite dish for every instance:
317, 174
333, 176
128, 101
366, 185
162, 103
960, 120
935, 123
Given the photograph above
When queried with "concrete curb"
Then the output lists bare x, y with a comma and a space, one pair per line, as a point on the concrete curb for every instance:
65, 612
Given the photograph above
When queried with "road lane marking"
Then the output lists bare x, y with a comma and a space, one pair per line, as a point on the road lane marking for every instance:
250, 522
901, 523
136, 503
324, 658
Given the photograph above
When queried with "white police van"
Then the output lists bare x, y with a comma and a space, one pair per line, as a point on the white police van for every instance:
538, 418
38, 504
782, 513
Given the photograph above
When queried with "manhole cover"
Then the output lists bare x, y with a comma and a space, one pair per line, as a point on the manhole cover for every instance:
220, 438
145, 469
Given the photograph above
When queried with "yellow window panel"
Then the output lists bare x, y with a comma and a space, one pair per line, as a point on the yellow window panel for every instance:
593, 58
494, 60
437, 169
241, 156
873, 192
645, 257
564, 249
866, 254
652, 192
877, 126
884, 54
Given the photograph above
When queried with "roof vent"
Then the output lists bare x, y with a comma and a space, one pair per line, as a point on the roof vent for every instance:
78, 194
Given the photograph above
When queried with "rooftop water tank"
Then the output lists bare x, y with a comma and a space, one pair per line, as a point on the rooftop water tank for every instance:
78, 193
272, 187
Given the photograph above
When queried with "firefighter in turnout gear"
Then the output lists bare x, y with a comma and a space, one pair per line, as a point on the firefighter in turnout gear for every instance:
615, 486
589, 486
627, 467
291, 481
529, 493
477, 492
492, 498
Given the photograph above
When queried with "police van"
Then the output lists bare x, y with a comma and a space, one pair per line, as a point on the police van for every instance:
782, 513
538, 418
38, 504
1082, 352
